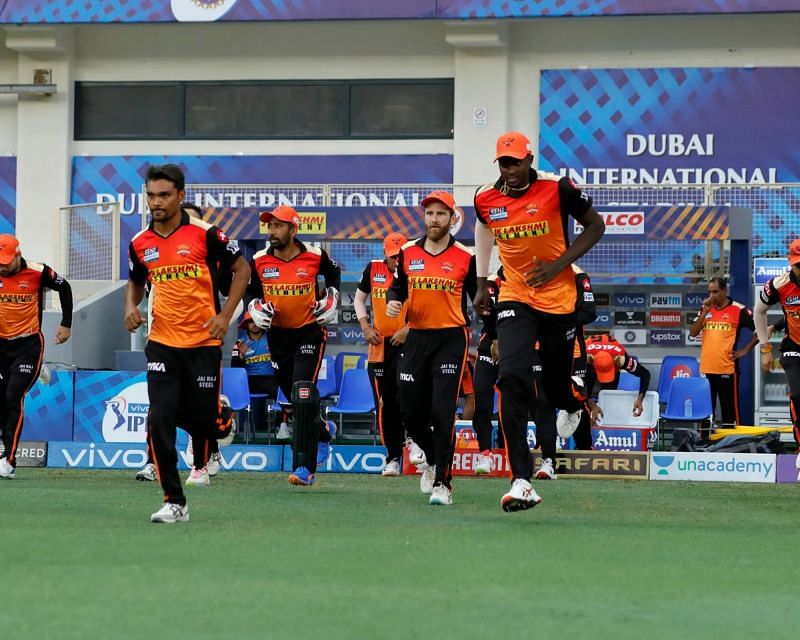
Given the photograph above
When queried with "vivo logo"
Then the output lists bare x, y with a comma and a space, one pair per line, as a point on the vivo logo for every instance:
629, 299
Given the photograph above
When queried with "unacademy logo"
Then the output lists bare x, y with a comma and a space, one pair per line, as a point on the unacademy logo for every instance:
663, 462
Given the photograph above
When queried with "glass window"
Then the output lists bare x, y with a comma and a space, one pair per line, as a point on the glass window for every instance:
402, 109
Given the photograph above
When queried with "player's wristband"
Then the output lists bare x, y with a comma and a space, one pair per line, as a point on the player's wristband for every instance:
766, 348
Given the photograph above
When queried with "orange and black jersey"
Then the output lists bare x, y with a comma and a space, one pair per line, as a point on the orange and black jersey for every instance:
436, 286
623, 361
22, 299
533, 224
182, 269
721, 331
376, 280
585, 309
291, 285
786, 290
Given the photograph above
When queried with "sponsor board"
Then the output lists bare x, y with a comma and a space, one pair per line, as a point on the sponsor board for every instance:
629, 318
666, 336
665, 318
604, 319
91, 455
764, 269
665, 300
694, 300
787, 472
728, 467
346, 459
635, 300
49, 408
622, 438
695, 341
602, 299
631, 336
620, 223
30, 453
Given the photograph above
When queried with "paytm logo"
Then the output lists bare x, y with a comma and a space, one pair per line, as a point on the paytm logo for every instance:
665, 299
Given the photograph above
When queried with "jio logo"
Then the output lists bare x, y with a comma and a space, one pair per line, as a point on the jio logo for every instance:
681, 371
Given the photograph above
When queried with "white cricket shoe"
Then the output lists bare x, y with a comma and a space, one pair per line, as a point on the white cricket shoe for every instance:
283, 432
171, 513
416, 455
198, 478
148, 473
214, 464
392, 469
7, 471
483, 463
441, 495
567, 423
427, 479
521, 496
546, 471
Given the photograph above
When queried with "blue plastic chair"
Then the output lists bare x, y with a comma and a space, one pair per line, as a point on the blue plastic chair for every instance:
695, 389
675, 366
326, 382
346, 360
627, 382
355, 396
235, 387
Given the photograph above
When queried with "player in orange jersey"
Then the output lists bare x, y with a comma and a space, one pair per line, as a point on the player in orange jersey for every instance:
287, 305
385, 337
435, 274
721, 321
179, 256
22, 285
527, 214
784, 289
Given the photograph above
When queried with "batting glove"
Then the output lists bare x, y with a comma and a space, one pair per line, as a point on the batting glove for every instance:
325, 309
262, 313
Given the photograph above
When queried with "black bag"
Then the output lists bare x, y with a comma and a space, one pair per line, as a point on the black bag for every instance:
767, 443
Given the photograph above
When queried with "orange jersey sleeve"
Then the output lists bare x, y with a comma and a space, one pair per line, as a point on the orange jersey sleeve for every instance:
786, 290
182, 268
533, 226
435, 286
721, 329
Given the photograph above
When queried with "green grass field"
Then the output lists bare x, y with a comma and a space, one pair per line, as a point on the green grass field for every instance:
367, 557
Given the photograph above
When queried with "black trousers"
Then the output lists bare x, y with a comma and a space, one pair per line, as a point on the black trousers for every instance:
790, 361
484, 382
519, 327
429, 380
261, 385
183, 386
724, 386
20, 361
383, 376
297, 354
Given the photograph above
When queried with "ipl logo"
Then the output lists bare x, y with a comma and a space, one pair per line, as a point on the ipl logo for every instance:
200, 10
125, 418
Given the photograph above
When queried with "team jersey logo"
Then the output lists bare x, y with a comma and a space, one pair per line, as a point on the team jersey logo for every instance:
151, 254
268, 273
792, 300
379, 278
416, 265
447, 267
498, 213
183, 249
22, 284
301, 272
532, 211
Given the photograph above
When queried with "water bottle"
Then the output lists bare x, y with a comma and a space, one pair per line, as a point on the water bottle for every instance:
687, 408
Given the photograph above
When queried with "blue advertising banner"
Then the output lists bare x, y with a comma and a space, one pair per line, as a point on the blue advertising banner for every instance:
347, 459
120, 179
91, 455
70, 11
111, 406
764, 269
48, 408
8, 194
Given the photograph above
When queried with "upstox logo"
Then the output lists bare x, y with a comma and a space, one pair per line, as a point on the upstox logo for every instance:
735, 467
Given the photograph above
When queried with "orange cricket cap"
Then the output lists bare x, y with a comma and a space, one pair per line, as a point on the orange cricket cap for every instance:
794, 252
445, 197
9, 248
284, 213
393, 243
604, 367
513, 145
